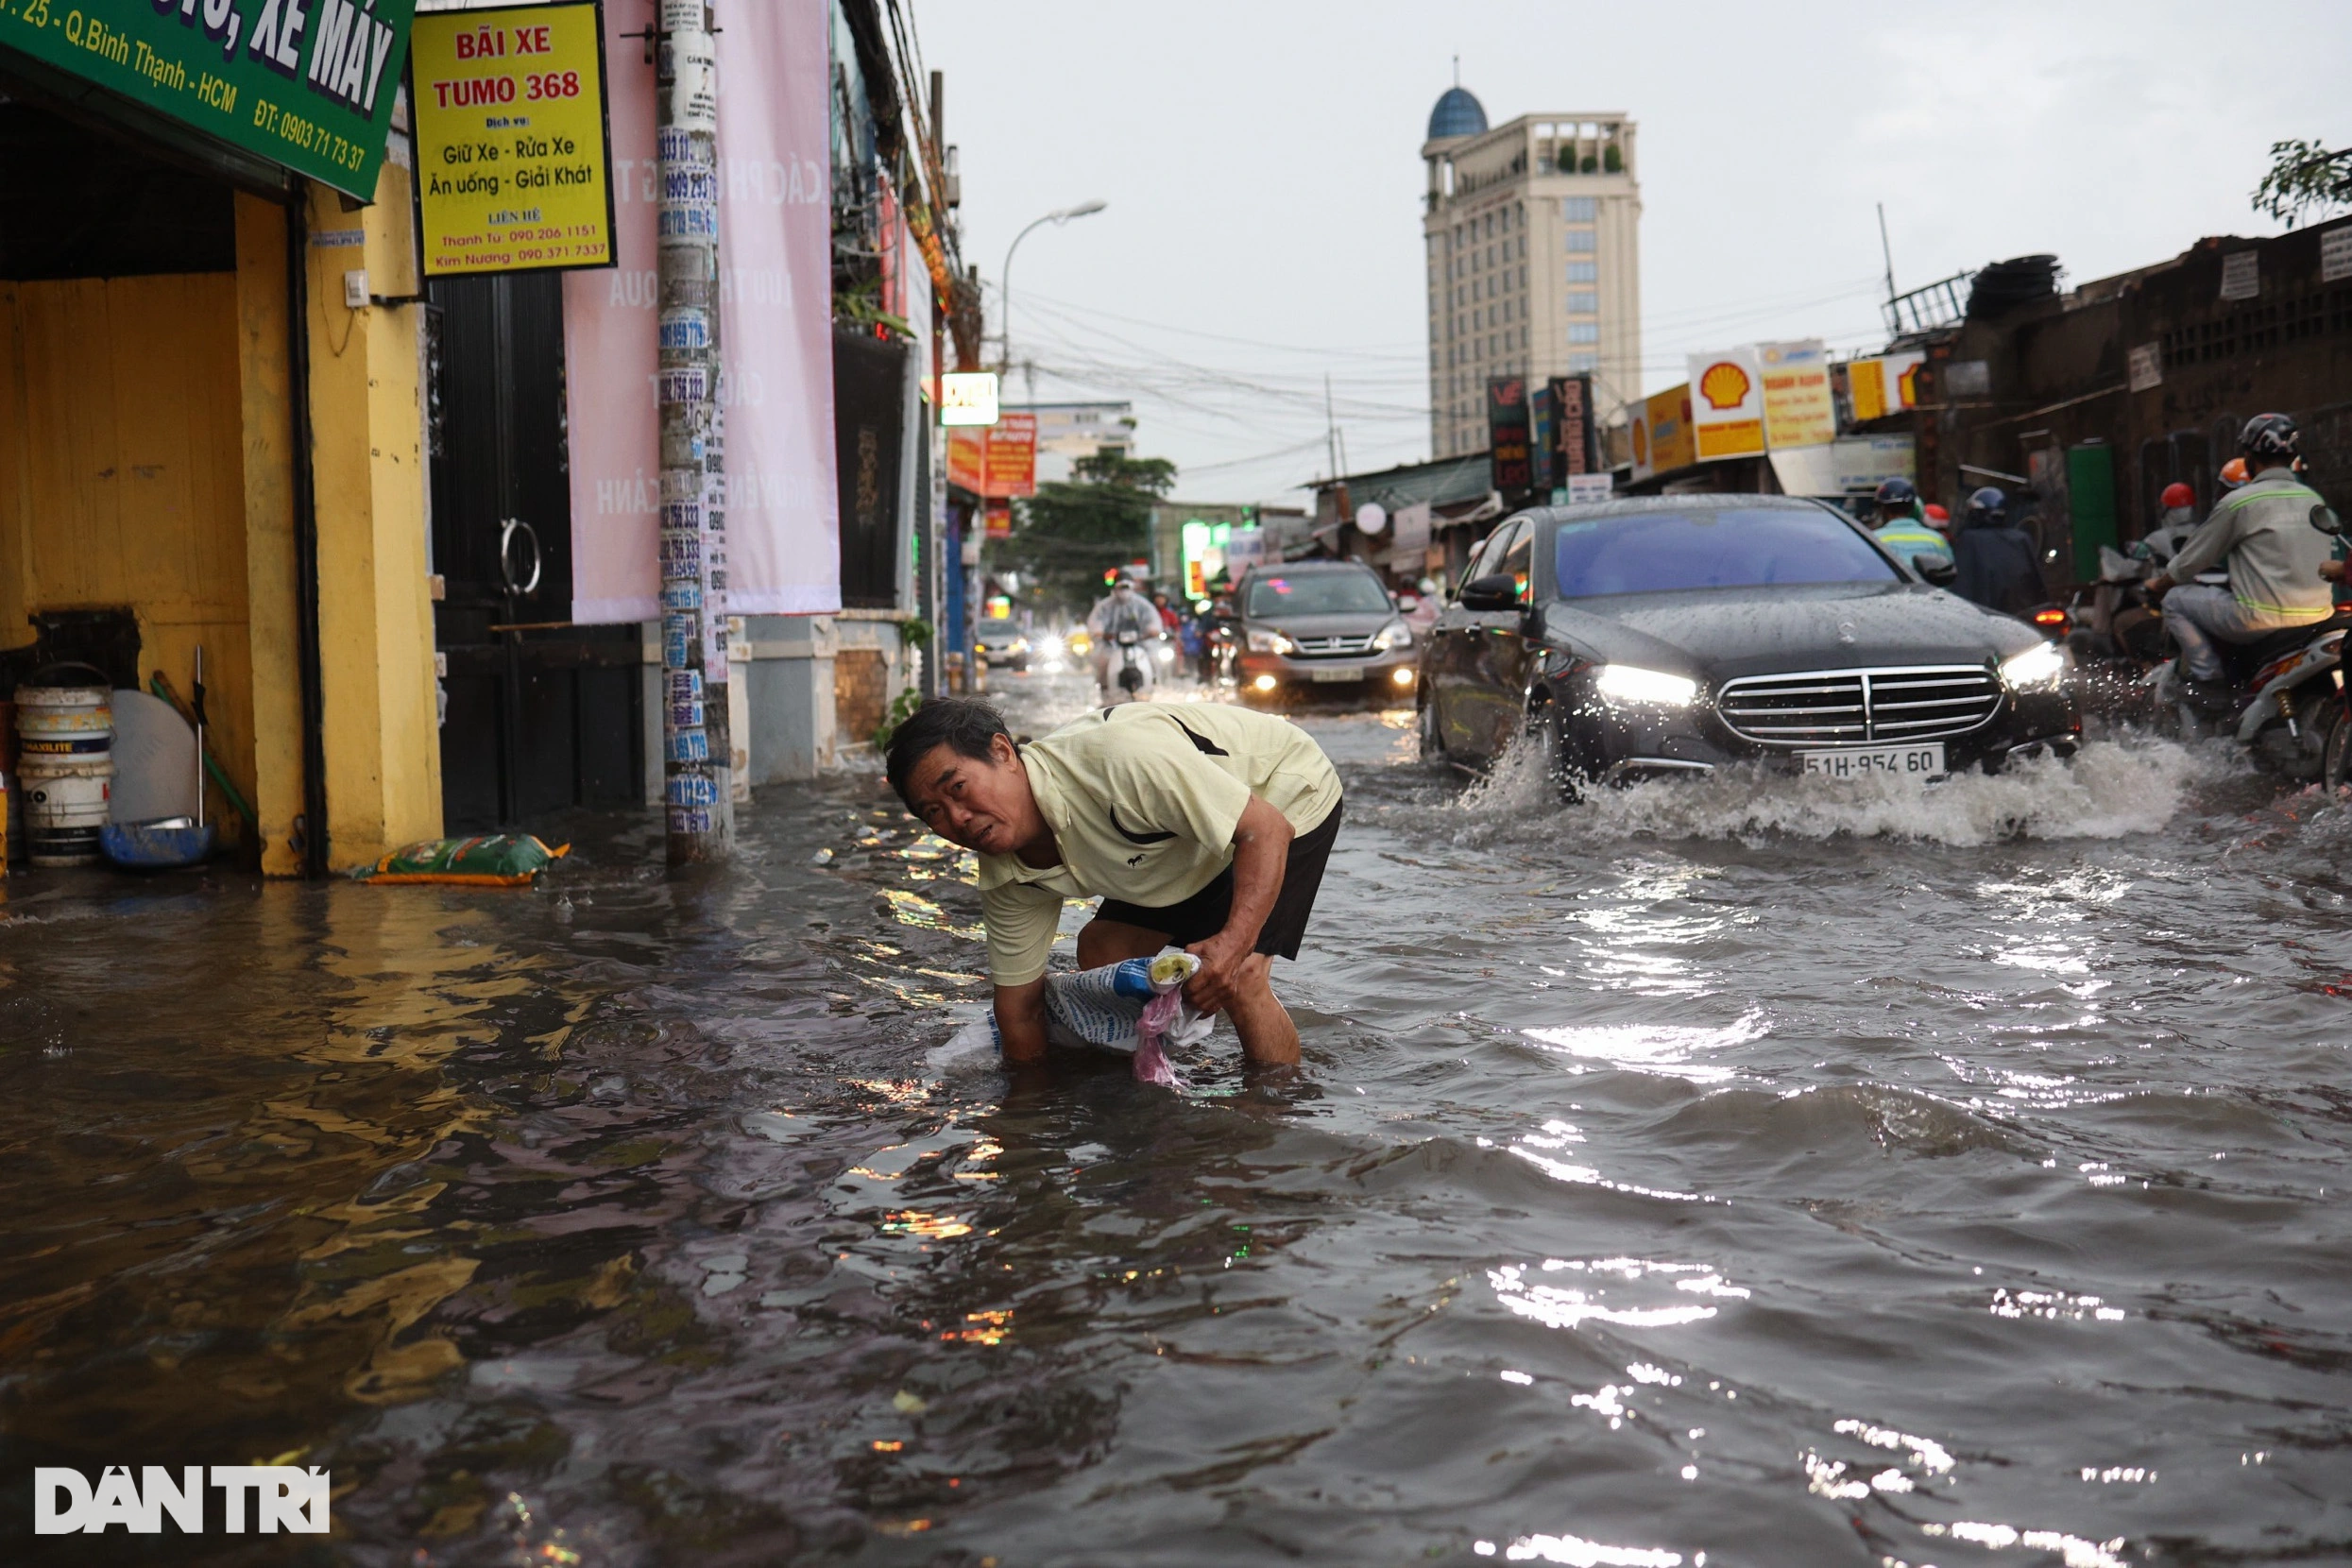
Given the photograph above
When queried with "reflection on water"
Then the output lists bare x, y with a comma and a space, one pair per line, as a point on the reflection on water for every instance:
1733, 1174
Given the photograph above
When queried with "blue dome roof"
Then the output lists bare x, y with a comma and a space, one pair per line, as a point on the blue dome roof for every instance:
1457, 114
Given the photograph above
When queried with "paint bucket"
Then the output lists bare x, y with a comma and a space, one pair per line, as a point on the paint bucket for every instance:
65, 768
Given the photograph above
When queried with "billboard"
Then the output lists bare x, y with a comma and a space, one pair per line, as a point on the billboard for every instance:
514, 168
995, 461
1508, 433
1886, 385
1727, 405
1571, 427
1798, 408
309, 90
1659, 428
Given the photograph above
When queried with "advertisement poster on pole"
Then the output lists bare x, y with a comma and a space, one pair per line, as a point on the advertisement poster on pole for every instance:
514, 161
995, 461
1798, 408
1727, 405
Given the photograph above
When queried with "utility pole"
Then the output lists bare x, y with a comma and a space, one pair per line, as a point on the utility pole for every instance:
934, 521
1888, 251
696, 755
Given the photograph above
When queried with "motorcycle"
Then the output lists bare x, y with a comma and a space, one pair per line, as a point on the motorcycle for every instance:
1132, 671
2287, 709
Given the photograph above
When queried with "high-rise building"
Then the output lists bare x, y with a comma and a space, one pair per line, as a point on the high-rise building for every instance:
1533, 231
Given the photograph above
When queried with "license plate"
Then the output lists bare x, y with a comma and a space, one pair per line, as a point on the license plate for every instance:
1925, 760
1335, 674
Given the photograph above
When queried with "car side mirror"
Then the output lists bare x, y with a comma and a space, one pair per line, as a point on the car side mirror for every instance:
1936, 570
1496, 591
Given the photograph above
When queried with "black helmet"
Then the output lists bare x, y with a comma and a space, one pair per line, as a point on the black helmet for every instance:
2273, 436
1988, 507
1898, 495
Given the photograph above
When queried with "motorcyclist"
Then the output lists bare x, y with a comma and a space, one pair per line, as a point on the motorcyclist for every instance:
2268, 533
1995, 558
1121, 611
1902, 528
2173, 529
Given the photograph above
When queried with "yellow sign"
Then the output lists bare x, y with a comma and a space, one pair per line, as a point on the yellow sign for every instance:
1888, 384
1727, 405
1798, 409
513, 162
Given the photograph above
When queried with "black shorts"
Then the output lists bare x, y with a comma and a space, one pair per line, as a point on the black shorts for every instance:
1204, 914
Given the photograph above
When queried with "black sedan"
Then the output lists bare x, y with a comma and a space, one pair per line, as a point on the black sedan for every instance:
1676, 635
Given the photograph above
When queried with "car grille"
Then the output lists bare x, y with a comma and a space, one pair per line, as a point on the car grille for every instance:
1852, 707
1333, 647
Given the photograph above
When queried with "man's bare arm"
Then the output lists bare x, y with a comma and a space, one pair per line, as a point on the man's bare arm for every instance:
1021, 1021
1261, 855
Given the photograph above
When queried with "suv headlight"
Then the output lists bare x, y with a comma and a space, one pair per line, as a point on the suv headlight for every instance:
2040, 668
1627, 683
1264, 641
1394, 635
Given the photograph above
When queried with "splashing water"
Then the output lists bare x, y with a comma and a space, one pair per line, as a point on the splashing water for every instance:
2109, 789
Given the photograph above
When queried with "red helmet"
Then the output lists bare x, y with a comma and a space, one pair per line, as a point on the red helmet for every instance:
2177, 494
1936, 514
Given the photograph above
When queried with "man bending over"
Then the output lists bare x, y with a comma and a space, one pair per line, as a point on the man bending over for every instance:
1201, 825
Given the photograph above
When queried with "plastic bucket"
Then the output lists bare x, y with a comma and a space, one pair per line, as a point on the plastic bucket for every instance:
66, 802
64, 721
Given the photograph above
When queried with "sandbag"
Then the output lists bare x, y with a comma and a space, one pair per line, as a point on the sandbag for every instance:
490, 860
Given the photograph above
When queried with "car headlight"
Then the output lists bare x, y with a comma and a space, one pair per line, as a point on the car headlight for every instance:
2038, 669
1264, 641
1627, 683
1394, 635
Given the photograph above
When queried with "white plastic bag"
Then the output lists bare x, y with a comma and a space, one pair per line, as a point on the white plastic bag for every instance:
1135, 1007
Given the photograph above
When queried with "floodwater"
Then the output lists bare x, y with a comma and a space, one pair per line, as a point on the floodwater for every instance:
1710, 1176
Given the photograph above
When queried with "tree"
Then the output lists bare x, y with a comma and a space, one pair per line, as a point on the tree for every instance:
2304, 175
1069, 533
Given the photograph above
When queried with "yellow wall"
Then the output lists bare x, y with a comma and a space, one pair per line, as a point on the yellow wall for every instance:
146, 463
375, 610
125, 484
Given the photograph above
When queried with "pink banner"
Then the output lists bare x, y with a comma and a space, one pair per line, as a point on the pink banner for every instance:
776, 327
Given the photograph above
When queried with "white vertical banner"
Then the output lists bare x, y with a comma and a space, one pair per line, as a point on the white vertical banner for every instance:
774, 327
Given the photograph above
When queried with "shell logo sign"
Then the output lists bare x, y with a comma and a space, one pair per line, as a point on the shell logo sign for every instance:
1727, 411
1723, 384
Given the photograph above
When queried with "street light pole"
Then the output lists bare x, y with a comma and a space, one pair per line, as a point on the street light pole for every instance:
1084, 209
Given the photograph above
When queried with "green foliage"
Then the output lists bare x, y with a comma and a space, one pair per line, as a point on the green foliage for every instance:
2304, 176
915, 632
1614, 161
1067, 534
901, 709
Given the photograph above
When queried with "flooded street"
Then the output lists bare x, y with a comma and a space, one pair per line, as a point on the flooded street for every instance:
1712, 1175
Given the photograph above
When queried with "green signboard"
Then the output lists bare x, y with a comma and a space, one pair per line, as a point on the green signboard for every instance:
305, 84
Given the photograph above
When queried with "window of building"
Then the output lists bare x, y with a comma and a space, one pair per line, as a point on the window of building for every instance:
1583, 301
1581, 242
1584, 272
1584, 331
1585, 361
1579, 209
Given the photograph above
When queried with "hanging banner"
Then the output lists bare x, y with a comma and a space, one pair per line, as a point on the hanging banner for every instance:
514, 169
1727, 405
1507, 434
1798, 409
774, 204
309, 88
1887, 385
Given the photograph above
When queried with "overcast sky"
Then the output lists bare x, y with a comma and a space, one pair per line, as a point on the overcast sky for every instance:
1262, 165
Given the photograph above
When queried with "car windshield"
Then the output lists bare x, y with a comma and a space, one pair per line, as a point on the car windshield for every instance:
1662, 551
1318, 593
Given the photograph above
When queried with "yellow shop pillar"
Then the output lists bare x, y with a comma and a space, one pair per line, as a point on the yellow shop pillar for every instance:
381, 732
